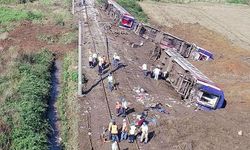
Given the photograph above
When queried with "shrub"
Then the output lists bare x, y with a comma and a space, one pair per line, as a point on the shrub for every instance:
134, 8
25, 111
68, 38
8, 15
240, 1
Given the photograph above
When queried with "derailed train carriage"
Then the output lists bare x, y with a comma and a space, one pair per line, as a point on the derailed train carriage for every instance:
190, 83
187, 80
120, 16
165, 40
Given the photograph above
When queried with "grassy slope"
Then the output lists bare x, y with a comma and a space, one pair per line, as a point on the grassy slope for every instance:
23, 113
67, 104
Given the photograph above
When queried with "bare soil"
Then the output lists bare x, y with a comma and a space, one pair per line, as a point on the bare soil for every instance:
26, 38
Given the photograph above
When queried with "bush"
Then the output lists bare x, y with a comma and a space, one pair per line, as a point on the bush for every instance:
8, 15
25, 111
134, 8
240, 1
68, 38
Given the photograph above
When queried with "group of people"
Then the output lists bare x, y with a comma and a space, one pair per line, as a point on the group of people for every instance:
128, 131
155, 73
101, 61
94, 60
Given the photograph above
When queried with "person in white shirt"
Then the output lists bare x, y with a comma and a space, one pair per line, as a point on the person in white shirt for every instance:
145, 70
156, 72
100, 66
116, 60
144, 129
124, 107
110, 82
94, 56
132, 133
114, 146
90, 61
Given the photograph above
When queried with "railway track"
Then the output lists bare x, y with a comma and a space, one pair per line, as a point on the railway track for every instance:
95, 42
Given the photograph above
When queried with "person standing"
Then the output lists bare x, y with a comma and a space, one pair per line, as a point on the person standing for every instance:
144, 129
145, 70
132, 133
124, 107
100, 65
110, 82
91, 61
124, 133
118, 107
156, 72
114, 132
116, 60
109, 128
114, 146
94, 56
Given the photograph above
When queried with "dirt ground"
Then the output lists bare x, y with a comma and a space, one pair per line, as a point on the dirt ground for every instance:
26, 38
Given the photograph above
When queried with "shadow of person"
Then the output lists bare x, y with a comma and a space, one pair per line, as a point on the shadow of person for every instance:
130, 110
151, 135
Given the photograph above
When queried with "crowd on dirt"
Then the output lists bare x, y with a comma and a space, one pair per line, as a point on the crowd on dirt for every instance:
137, 128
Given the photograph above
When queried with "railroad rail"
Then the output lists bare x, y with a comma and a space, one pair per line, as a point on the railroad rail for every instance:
107, 101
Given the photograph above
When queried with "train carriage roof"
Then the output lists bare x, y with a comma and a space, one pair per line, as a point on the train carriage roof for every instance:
188, 66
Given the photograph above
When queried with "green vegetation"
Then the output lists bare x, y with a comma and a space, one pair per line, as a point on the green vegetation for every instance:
7, 1
68, 38
8, 15
23, 123
211, 1
67, 105
134, 8
240, 1
15, 1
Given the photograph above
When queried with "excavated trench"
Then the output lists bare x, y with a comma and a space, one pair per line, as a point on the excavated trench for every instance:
54, 142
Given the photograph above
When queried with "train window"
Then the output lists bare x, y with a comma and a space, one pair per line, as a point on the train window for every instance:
209, 99
127, 22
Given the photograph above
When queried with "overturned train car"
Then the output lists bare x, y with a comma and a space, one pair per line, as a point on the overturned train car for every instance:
120, 16
165, 40
190, 83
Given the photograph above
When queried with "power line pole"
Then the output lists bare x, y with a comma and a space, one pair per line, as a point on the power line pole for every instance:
73, 7
80, 59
